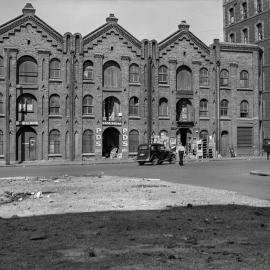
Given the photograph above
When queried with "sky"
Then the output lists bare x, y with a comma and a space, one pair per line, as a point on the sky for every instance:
151, 19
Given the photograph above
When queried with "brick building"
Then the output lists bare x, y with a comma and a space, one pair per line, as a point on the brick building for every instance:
73, 97
247, 21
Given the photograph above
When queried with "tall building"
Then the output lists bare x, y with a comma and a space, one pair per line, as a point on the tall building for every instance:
248, 21
77, 98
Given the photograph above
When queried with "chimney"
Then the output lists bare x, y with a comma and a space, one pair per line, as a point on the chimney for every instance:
184, 26
28, 9
111, 19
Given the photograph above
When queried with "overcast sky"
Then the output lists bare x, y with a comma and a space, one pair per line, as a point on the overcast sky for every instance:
152, 19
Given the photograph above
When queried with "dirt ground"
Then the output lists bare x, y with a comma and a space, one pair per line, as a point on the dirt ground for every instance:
102, 222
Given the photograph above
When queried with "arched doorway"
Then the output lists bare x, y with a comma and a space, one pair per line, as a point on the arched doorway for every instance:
26, 142
184, 135
224, 151
110, 140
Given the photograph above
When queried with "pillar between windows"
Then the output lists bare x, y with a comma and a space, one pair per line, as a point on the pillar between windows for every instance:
196, 91
42, 113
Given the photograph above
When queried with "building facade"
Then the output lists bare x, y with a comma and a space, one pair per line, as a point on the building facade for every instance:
247, 21
77, 98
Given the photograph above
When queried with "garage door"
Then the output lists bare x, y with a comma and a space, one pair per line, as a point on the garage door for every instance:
244, 137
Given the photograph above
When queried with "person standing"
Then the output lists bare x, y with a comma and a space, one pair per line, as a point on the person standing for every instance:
181, 151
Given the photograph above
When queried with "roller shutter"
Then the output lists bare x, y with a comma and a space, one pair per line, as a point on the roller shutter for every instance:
244, 137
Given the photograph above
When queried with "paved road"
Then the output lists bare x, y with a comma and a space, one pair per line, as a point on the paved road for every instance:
228, 174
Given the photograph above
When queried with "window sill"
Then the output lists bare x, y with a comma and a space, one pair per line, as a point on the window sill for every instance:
244, 89
134, 84
204, 87
225, 88
245, 118
2, 115
55, 116
2, 156
29, 86
55, 155
225, 118
134, 117
2, 78
106, 89
164, 118
55, 80
88, 116
163, 85
204, 118
88, 81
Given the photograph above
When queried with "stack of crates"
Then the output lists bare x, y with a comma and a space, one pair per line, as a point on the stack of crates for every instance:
204, 148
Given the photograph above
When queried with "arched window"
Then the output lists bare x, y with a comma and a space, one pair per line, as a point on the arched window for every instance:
245, 35
1, 143
244, 10
27, 70
204, 134
88, 141
204, 77
184, 79
231, 15
112, 75
88, 105
54, 142
224, 104
259, 30
1, 67
259, 6
54, 105
134, 106
26, 103
55, 69
133, 141
232, 37
224, 77
134, 74
163, 109
244, 81
111, 109
203, 108
163, 75
244, 109
1, 104
88, 71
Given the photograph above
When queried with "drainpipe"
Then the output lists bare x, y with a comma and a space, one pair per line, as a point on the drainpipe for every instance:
149, 98
7, 103
71, 108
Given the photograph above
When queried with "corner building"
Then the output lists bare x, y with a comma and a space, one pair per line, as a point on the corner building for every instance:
77, 98
247, 21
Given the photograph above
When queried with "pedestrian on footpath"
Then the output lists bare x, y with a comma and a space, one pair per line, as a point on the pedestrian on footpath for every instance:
181, 151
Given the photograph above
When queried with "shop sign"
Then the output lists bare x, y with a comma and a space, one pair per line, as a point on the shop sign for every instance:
26, 123
98, 137
111, 123
125, 137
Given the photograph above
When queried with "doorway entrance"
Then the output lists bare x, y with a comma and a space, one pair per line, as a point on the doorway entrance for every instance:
224, 151
26, 144
110, 141
184, 135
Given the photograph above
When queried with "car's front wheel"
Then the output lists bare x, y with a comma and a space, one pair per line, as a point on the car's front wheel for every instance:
155, 161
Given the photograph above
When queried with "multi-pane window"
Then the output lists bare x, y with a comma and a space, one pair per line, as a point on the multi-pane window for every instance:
184, 79
203, 108
1, 104
163, 109
224, 104
134, 74
26, 104
88, 105
244, 82
231, 15
224, 77
244, 10
204, 135
232, 37
1, 66
54, 142
1, 143
27, 70
88, 71
134, 106
54, 105
88, 141
245, 35
244, 109
55, 69
112, 75
133, 141
259, 29
204, 77
163, 75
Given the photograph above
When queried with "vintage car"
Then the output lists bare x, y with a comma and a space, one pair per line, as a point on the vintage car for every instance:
155, 153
